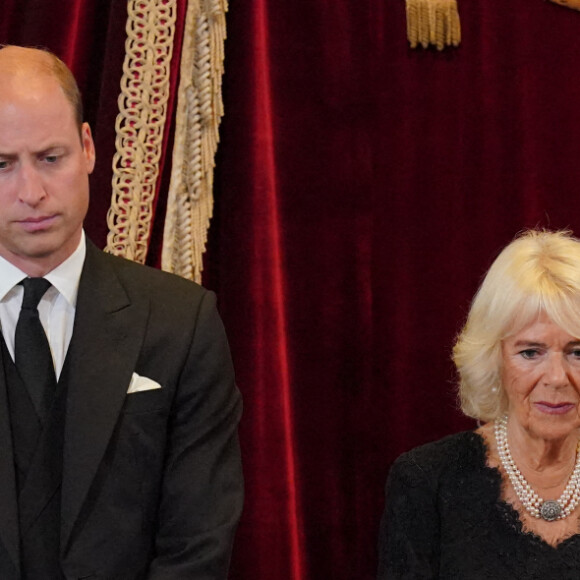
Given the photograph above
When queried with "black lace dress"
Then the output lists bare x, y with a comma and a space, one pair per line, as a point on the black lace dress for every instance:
444, 519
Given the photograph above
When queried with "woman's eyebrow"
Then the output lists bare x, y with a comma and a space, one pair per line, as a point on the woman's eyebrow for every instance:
525, 342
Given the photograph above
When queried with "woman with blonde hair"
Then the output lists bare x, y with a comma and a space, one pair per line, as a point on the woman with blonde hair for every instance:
501, 502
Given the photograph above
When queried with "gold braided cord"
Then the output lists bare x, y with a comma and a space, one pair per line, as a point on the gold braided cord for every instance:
199, 112
433, 22
140, 123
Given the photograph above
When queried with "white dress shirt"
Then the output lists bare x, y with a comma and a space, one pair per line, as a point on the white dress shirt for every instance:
56, 308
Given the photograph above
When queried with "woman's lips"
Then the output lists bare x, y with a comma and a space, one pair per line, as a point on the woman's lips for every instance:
554, 408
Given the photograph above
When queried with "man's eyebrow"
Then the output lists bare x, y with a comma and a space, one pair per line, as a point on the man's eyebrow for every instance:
50, 149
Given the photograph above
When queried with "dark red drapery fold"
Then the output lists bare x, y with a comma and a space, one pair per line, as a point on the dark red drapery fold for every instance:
299, 188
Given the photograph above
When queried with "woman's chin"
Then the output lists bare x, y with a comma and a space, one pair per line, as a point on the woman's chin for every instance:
554, 425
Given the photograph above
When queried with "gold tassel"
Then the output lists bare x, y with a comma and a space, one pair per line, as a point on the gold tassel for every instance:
574, 4
199, 112
433, 22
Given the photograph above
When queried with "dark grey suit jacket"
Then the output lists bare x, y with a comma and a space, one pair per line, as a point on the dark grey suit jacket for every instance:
152, 485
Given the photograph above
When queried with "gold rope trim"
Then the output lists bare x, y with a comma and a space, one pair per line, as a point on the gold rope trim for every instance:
433, 22
142, 112
199, 112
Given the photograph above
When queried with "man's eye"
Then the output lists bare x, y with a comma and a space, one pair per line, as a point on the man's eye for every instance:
3, 164
575, 353
529, 353
51, 158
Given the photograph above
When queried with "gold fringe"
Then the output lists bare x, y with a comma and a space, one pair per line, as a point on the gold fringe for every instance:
199, 112
139, 126
433, 22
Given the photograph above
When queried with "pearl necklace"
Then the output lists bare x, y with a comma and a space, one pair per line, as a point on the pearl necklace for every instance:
548, 510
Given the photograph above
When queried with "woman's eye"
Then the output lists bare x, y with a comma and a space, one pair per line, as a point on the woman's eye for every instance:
529, 353
575, 353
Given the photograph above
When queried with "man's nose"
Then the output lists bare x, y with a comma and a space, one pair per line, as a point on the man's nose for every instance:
31, 188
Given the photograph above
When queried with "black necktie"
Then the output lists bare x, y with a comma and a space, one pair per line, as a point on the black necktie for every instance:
31, 349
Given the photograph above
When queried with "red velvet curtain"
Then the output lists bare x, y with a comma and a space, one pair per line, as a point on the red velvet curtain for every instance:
362, 189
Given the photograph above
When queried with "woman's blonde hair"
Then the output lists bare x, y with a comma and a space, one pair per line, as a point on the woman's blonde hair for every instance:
539, 272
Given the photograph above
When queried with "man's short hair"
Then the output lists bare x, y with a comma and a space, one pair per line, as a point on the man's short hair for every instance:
69, 86
55, 67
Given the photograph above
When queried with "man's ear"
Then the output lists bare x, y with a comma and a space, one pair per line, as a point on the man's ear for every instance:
88, 147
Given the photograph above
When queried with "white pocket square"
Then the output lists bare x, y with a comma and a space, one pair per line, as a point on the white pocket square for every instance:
139, 384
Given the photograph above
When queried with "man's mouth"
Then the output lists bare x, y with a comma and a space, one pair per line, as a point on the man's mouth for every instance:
39, 223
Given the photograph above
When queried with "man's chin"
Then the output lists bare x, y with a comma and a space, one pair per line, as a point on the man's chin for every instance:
41, 253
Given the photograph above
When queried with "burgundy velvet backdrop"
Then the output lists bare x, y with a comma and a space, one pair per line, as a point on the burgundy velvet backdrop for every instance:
362, 189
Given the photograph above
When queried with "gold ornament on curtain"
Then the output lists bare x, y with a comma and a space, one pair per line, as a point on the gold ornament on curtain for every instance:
574, 4
433, 22
140, 123
199, 112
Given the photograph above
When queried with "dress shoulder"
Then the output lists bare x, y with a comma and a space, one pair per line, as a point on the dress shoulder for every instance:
459, 451
411, 528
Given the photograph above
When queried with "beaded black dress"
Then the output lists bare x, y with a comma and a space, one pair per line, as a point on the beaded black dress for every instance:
444, 519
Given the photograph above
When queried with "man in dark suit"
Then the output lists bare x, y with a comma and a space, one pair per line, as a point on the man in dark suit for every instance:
124, 463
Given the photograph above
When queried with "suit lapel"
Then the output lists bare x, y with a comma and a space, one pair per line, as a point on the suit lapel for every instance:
107, 335
8, 506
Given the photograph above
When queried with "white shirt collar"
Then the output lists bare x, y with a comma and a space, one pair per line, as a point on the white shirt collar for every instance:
65, 277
